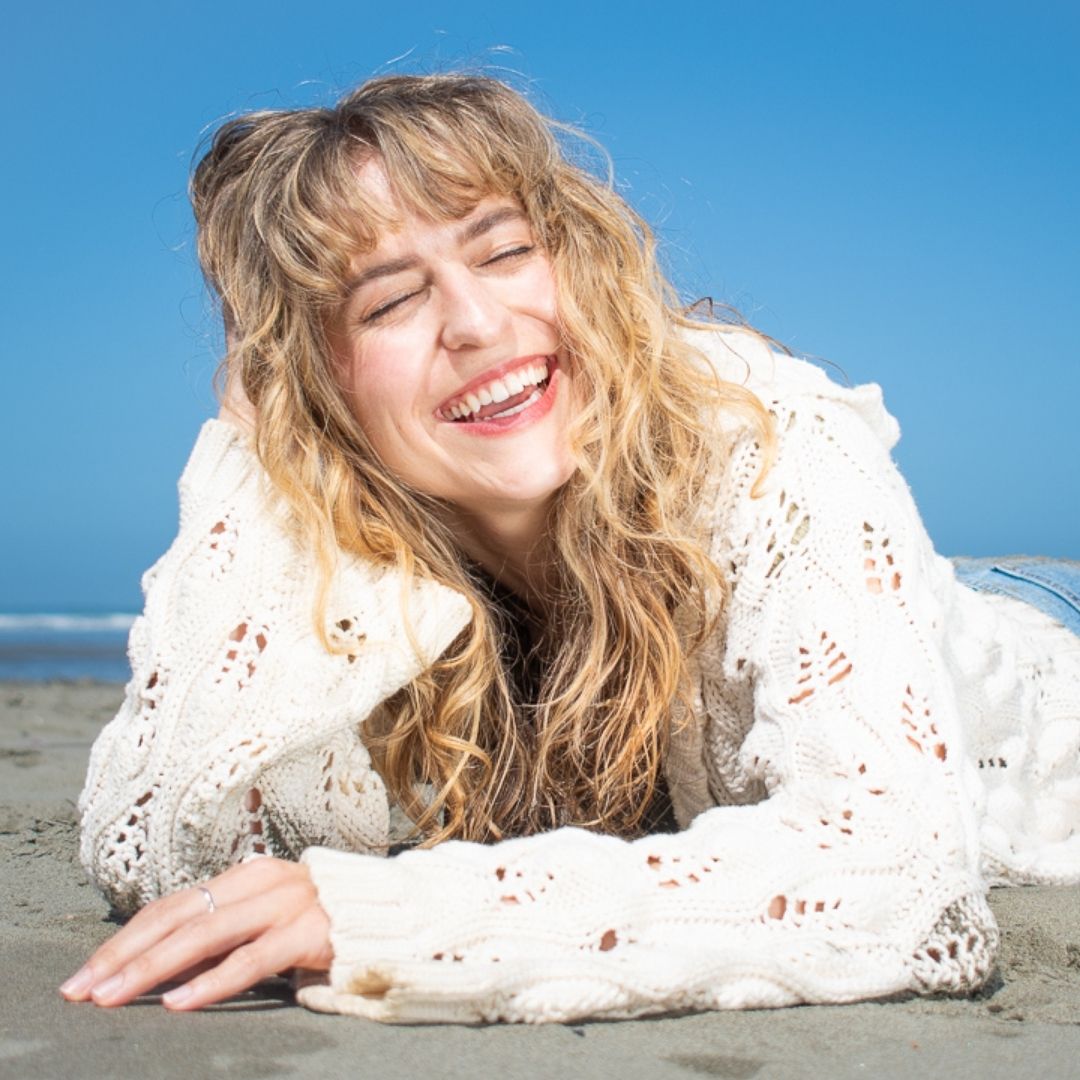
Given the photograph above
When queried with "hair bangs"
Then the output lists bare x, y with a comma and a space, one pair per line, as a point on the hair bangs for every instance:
446, 144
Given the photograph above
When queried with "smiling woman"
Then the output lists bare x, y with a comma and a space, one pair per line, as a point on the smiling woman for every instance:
627, 603
449, 347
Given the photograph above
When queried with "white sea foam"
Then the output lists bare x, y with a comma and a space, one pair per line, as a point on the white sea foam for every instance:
82, 624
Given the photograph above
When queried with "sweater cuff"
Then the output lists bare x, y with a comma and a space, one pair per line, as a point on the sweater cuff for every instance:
372, 932
365, 897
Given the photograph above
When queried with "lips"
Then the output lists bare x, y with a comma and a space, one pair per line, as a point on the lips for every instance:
501, 392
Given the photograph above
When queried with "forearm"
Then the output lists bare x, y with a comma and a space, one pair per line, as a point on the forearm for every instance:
240, 731
742, 910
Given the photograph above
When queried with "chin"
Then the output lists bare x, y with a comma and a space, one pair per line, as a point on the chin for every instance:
524, 486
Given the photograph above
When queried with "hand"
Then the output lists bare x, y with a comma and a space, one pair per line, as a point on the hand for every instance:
266, 919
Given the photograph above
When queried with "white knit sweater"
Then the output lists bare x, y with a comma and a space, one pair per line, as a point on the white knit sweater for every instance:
873, 743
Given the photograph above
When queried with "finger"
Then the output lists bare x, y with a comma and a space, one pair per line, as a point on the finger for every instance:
196, 969
299, 943
162, 917
150, 925
193, 943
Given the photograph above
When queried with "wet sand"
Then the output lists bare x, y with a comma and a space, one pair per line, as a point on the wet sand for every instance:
1026, 1023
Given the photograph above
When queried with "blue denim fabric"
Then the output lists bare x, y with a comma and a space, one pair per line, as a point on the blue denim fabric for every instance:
1051, 585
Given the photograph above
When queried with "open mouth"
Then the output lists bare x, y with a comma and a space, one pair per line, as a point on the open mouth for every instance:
503, 397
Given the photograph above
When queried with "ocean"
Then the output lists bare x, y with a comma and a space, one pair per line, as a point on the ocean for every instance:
41, 647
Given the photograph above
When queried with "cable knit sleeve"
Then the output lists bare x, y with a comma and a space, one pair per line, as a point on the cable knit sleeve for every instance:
239, 731
845, 863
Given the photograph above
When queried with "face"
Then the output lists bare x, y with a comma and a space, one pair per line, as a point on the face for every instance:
450, 357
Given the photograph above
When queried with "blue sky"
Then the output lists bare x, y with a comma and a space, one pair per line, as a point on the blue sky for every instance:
890, 186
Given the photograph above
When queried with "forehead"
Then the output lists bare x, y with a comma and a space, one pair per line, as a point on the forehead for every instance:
390, 222
375, 185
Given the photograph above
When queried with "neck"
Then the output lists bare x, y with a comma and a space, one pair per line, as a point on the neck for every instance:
513, 546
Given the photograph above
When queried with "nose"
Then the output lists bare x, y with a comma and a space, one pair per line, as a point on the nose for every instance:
474, 316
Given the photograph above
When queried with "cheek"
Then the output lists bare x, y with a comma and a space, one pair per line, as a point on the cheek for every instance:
368, 386
546, 300
376, 386
381, 395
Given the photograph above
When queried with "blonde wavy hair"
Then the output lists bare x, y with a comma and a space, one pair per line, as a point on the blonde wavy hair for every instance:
281, 216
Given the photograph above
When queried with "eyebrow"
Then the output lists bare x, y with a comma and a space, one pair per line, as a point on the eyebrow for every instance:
489, 221
469, 231
380, 270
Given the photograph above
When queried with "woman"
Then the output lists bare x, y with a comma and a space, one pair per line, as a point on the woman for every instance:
493, 531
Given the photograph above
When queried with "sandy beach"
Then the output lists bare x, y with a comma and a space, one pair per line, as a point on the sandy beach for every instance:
1026, 1023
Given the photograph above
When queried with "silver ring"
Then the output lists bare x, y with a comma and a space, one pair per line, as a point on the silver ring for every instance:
211, 907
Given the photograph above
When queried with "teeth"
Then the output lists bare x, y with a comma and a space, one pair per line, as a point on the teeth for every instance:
534, 397
499, 390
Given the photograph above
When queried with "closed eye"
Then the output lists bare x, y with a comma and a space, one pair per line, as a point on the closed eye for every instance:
385, 309
511, 253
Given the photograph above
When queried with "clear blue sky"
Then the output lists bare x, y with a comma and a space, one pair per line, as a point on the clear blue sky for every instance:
891, 186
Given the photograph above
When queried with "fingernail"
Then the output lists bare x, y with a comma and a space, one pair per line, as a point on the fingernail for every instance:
109, 988
177, 996
79, 983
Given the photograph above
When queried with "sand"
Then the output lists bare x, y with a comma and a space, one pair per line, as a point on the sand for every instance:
1027, 1023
